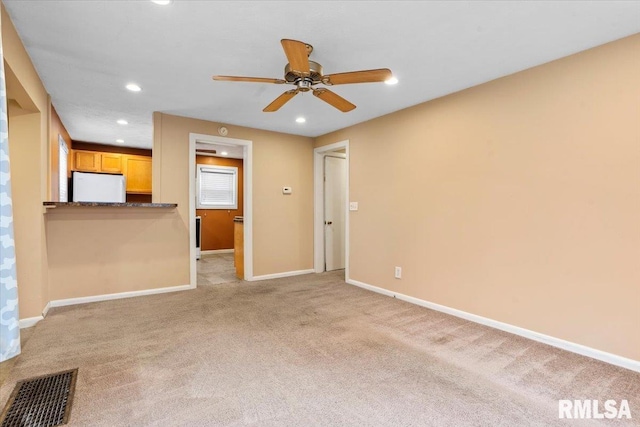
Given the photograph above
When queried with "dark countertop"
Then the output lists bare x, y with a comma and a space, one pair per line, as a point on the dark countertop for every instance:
108, 205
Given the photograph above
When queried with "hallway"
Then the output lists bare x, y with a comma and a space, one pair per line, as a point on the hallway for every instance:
215, 269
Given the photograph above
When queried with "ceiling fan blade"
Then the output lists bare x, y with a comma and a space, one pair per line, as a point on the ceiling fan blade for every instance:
280, 101
366, 76
334, 99
298, 56
248, 79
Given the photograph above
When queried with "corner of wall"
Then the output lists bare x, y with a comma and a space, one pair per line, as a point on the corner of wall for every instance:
156, 158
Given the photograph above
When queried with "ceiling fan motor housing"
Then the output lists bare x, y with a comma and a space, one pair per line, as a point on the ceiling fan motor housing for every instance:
315, 73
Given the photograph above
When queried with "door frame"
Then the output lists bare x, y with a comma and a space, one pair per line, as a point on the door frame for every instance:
247, 149
318, 203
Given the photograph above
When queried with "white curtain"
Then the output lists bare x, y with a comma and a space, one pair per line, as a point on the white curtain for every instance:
9, 320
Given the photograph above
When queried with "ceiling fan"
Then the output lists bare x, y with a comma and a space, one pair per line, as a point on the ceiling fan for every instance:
304, 74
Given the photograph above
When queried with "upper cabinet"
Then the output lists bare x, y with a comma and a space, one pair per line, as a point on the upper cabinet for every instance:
111, 162
93, 161
87, 161
138, 173
136, 169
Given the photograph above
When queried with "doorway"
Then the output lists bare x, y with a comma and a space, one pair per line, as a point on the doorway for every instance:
331, 197
200, 143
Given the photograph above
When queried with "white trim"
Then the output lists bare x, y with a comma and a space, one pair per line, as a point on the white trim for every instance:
248, 199
318, 207
280, 275
217, 251
46, 309
368, 287
336, 155
120, 295
29, 322
583, 350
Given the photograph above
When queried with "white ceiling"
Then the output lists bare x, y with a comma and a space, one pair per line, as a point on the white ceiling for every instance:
86, 51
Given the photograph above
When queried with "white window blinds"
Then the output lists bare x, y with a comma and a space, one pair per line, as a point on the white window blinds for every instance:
217, 187
63, 154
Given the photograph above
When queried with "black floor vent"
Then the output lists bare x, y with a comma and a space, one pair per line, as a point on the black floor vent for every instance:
41, 402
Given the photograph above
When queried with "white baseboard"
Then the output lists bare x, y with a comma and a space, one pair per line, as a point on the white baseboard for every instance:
121, 295
46, 309
583, 350
29, 322
217, 251
280, 275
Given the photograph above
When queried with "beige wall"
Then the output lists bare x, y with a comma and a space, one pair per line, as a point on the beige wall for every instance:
517, 200
96, 251
31, 266
282, 225
28, 133
71, 253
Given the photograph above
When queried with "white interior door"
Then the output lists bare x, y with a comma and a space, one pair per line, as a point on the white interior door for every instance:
335, 178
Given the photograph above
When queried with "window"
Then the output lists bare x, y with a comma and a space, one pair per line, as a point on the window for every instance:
217, 187
63, 154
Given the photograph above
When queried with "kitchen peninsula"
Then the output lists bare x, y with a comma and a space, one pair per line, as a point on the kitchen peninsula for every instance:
107, 250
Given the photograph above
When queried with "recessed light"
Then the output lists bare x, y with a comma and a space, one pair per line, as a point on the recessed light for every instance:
224, 153
301, 120
133, 87
161, 2
120, 141
122, 122
391, 81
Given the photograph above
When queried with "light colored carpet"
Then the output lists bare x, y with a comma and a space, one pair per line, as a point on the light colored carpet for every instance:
305, 351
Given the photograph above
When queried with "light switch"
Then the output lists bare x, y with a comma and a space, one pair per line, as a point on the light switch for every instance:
286, 190
353, 206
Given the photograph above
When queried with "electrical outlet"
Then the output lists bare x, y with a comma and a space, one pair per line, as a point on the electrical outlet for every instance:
353, 206
398, 273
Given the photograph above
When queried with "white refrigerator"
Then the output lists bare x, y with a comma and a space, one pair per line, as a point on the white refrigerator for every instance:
98, 187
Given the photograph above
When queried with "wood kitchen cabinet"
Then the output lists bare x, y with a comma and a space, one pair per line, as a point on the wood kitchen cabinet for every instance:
238, 246
137, 169
94, 161
111, 162
86, 161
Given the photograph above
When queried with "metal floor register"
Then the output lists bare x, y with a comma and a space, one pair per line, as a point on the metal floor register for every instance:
41, 402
